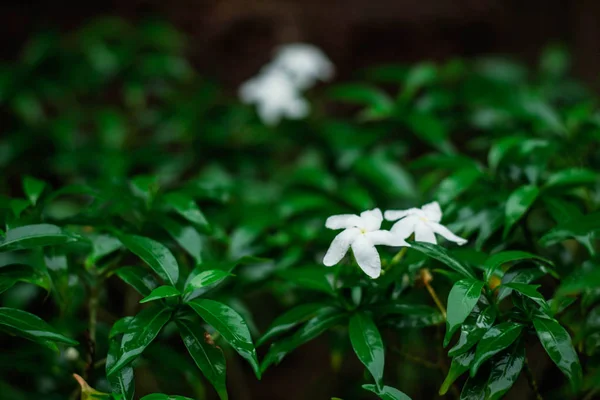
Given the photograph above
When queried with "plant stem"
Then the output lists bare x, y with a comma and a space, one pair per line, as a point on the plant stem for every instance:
398, 257
427, 278
92, 322
532, 382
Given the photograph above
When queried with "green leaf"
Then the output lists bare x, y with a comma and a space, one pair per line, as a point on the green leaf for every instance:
289, 320
230, 325
32, 327
208, 358
33, 188
160, 396
442, 255
138, 278
572, 177
578, 228
185, 206
505, 370
367, 344
157, 256
473, 329
460, 364
559, 346
494, 341
503, 257
18, 206
308, 277
379, 103
529, 291
185, 235
517, 205
386, 392
161, 292
456, 184
120, 327
122, 382
207, 278
383, 171
419, 76
474, 388
10, 275
102, 245
500, 149
142, 330
32, 236
463, 297
324, 320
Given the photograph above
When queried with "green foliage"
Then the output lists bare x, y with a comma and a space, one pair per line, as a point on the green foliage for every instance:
128, 179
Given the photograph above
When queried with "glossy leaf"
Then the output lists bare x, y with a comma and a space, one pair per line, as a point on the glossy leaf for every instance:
187, 208
572, 177
505, 369
577, 227
160, 396
230, 325
310, 278
386, 392
463, 297
441, 254
139, 278
494, 341
185, 235
559, 346
289, 320
367, 344
474, 388
207, 278
142, 330
529, 291
32, 327
518, 204
161, 292
460, 364
33, 188
313, 328
473, 329
456, 184
503, 257
208, 357
157, 256
123, 381
31, 236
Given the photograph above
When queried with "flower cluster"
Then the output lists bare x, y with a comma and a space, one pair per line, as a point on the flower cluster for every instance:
277, 89
363, 232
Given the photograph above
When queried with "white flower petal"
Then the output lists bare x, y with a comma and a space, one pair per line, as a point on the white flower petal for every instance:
432, 211
386, 238
338, 248
405, 227
423, 233
371, 219
393, 215
342, 221
446, 233
366, 256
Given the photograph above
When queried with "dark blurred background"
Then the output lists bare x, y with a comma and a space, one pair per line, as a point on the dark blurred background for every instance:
231, 39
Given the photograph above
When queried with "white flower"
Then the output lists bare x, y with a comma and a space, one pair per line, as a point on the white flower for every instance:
362, 233
305, 63
275, 96
423, 222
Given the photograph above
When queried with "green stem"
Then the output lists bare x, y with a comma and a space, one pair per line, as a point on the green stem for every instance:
532, 382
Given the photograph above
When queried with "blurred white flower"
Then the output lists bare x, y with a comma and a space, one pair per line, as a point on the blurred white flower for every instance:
362, 233
306, 64
275, 96
71, 354
423, 222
